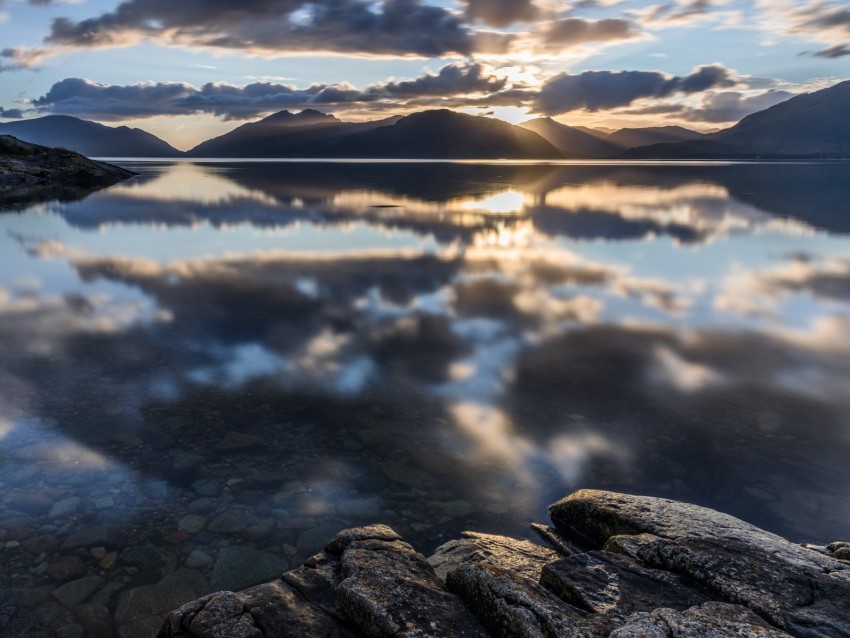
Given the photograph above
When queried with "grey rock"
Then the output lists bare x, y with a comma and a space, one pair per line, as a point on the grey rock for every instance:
65, 507
207, 487
390, 590
227, 523
238, 441
186, 461
32, 503
794, 588
711, 620
554, 538
341, 540
192, 523
198, 560
221, 615
617, 586
201, 505
141, 610
240, 567
521, 557
511, 605
45, 544
67, 567
144, 557
317, 580
284, 613
94, 536
77, 591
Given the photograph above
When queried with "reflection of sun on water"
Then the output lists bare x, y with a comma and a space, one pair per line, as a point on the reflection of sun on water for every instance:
501, 203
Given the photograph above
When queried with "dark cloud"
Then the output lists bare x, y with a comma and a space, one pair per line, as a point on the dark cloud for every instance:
732, 106
682, 11
600, 90
11, 114
573, 31
501, 13
837, 51
77, 96
394, 27
16, 59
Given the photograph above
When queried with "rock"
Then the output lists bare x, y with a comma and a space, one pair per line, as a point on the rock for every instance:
221, 615
77, 591
240, 567
511, 605
65, 507
238, 441
95, 536
144, 557
45, 544
711, 620
198, 560
556, 539
32, 503
207, 487
186, 461
315, 538
201, 505
794, 588
141, 610
192, 523
66, 567
284, 613
387, 589
227, 523
521, 557
616, 586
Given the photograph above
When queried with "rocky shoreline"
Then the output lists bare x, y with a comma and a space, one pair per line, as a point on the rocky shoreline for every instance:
617, 565
31, 173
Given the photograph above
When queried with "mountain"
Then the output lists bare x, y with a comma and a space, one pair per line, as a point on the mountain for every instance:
444, 134
627, 138
89, 138
284, 134
813, 125
573, 142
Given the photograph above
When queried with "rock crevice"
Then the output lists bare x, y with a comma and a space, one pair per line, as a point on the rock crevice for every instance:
655, 569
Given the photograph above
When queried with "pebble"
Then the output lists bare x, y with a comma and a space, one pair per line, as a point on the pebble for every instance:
192, 523
65, 507
198, 560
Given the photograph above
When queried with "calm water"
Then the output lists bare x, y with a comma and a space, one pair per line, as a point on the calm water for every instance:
256, 355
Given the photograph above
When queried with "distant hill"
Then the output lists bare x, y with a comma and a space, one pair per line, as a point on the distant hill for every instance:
813, 125
284, 134
444, 134
627, 138
573, 142
89, 138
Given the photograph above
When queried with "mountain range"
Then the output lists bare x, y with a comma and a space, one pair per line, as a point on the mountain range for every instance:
813, 125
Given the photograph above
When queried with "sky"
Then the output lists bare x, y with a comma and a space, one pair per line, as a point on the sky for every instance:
187, 70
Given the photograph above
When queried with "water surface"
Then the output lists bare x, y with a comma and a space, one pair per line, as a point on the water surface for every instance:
256, 355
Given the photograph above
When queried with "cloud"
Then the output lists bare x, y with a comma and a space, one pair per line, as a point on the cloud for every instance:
601, 90
679, 13
273, 27
501, 13
817, 20
19, 58
570, 32
732, 106
837, 51
12, 114
78, 96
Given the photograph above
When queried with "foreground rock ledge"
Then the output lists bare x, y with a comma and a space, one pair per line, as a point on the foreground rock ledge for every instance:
31, 173
619, 565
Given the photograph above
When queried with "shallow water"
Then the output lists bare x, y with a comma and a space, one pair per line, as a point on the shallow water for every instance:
256, 355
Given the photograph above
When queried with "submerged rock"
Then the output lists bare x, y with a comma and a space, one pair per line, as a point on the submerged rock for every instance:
658, 569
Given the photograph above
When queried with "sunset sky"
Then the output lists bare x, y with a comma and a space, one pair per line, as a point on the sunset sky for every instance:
190, 69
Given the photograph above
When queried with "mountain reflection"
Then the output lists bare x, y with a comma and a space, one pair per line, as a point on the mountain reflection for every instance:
438, 347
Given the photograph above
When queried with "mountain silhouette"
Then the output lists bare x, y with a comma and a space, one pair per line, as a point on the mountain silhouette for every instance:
573, 142
444, 134
627, 138
284, 134
813, 125
89, 138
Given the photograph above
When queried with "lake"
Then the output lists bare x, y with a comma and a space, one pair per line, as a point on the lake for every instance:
210, 369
